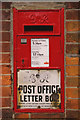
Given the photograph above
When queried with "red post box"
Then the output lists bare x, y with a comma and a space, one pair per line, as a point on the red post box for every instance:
38, 50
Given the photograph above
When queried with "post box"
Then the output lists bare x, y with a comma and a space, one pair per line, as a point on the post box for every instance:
38, 51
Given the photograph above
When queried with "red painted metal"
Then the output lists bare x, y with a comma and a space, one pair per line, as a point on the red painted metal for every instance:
23, 18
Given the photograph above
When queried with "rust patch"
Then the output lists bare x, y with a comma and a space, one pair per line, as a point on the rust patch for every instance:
56, 99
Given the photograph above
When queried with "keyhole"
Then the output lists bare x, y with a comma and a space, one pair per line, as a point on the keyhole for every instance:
22, 61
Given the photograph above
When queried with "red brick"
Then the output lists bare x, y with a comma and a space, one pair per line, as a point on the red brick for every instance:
73, 37
1, 114
5, 91
72, 26
0, 47
0, 36
7, 114
0, 92
72, 60
6, 102
0, 102
0, 5
21, 115
0, 14
5, 58
1, 80
5, 80
73, 14
70, 5
72, 70
0, 58
73, 81
5, 36
72, 92
73, 114
6, 5
6, 15
73, 49
5, 26
5, 47
5, 69
73, 104
47, 115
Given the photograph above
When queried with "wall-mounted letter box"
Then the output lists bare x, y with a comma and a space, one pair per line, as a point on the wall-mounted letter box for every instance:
38, 50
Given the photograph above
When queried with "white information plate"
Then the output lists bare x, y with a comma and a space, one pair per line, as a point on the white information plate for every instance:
38, 89
40, 52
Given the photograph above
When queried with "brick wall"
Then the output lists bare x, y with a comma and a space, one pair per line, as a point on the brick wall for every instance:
72, 59
72, 68
5, 72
